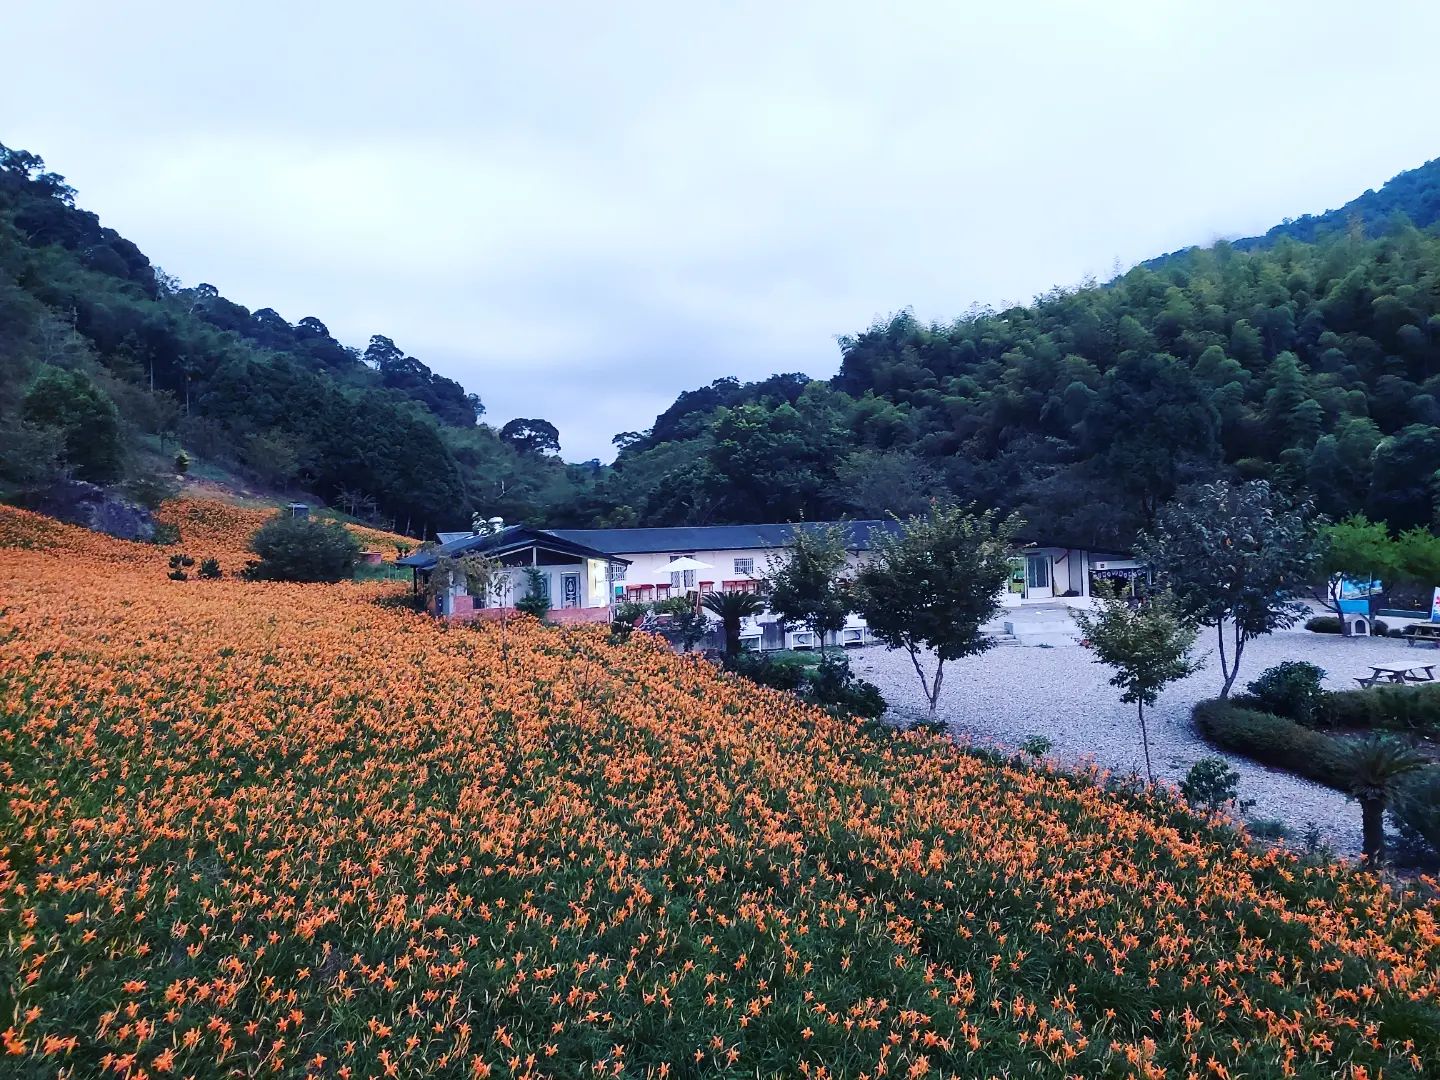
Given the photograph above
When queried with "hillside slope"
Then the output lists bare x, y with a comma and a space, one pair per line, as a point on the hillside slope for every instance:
1313, 365
286, 406
1413, 195
293, 829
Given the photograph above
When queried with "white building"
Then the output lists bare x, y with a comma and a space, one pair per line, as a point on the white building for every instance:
1043, 574
584, 572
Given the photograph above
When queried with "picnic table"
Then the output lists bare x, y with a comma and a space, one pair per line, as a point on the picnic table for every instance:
1380, 673
1426, 632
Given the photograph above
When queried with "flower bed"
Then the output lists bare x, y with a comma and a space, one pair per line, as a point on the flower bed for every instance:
283, 830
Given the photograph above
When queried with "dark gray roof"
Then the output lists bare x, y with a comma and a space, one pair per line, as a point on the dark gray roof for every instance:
514, 538
681, 538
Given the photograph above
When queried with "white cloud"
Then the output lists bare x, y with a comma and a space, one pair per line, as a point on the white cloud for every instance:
579, 210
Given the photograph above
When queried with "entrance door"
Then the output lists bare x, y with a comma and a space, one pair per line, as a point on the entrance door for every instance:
1037, 578
569, 590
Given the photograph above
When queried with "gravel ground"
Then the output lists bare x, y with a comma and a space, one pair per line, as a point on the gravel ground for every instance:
1015, 691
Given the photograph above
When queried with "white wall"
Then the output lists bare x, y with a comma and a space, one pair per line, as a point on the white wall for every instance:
647, 568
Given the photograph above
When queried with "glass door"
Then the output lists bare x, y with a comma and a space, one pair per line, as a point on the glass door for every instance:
1037, 578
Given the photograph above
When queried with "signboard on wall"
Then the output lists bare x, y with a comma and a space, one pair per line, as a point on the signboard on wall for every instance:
1435, 607
1351, 590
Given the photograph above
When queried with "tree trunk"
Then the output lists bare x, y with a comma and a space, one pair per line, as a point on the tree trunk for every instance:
1224, 670
1145, 741
1372, 827
935, 686
1231, 668
732, 638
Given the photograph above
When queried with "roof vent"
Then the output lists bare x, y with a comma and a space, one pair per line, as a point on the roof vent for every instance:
496, 524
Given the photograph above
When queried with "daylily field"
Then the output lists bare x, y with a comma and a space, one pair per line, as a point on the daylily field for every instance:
277, 830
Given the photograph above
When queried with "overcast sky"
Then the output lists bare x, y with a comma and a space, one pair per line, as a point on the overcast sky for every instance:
579, 210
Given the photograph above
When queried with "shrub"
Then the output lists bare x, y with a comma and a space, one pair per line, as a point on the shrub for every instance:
165, 534
1396, 708
1210, 784
534, 602
630, 612
782, 673
302, 549
210, 568
1290, 689
1380, 628
828, 683
1036, 746
833, 685
1416, 810
1269, 829
686, 626
627, 614
1273, 740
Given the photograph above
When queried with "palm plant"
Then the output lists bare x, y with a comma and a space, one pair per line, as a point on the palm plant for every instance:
1374, 769
732, 607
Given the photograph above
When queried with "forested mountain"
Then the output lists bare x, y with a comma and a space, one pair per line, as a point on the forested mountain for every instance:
103, 333
1413, 196
1309, 356
1313, 364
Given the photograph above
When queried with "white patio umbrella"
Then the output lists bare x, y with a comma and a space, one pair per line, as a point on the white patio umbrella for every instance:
676, 566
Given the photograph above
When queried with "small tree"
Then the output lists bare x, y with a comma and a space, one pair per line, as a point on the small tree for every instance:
303, 549
934, 584
732, 607
1375, 768
535, 601
1147, 646
805, 584
1356, 549
1234, 554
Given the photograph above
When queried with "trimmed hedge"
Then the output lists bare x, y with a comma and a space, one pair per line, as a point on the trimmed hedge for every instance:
1272, 740
1395, 708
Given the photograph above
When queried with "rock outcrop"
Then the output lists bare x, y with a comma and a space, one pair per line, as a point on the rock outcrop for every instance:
92, 507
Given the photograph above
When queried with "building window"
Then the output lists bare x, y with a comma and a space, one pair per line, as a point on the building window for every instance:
745, 566
617, 571
684, 579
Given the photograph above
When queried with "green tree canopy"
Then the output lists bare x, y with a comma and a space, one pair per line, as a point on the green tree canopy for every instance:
805, 585
1236, 556
68, 402
931, 587
1147, 646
